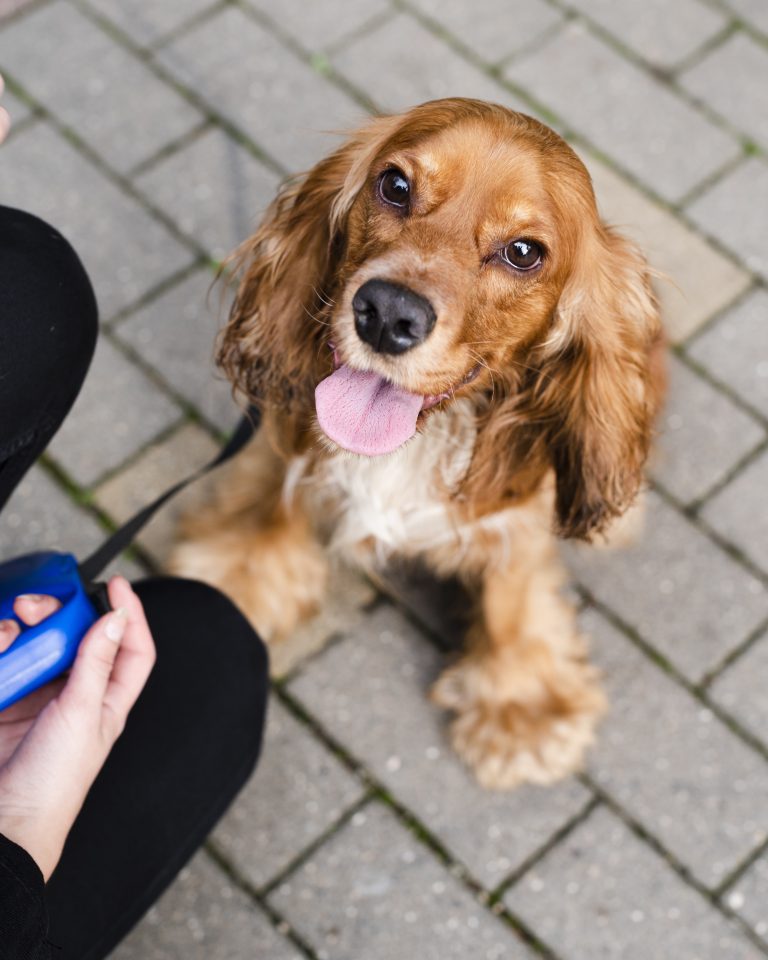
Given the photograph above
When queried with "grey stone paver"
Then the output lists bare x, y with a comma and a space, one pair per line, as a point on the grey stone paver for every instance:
735, 350
317, 26
147, 23
371, 692
40, 516
298, 792
17, 109
512, 28
625, 114
659, 32
111, 99
213, 189
397, 75
673, 765
738, 512
745, 63
124, 249
175, 334
373, 891
683, 595
740, 689
749, 896
754, 12
732, 211
693, 281
702, 435
603, 893
117, 413
258, 84
153, 471
204, 915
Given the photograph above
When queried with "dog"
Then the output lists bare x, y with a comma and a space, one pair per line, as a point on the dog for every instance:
457, 361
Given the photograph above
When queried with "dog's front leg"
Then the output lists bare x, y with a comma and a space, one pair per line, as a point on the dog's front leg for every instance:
253, 546
526, 701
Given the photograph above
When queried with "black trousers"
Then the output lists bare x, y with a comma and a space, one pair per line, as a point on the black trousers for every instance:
194, 735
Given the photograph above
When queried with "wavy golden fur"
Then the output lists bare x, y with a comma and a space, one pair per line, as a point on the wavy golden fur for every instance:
551, 377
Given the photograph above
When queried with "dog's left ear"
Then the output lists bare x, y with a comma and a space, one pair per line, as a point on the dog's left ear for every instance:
600, 383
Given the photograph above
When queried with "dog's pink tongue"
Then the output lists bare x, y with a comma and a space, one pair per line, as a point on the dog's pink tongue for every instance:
365, 413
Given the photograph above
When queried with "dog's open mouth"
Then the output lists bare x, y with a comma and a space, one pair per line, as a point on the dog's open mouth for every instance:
365, 413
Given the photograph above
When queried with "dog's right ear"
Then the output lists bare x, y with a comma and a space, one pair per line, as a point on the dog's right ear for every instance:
272, 347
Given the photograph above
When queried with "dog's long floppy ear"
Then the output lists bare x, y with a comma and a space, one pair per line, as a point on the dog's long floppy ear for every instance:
599, 384
586, 400
271, 346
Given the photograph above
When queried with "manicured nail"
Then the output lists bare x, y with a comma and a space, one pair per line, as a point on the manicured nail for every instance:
34, 597
115, 627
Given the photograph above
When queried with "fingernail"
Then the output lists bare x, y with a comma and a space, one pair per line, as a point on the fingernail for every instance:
34, 597
115, 627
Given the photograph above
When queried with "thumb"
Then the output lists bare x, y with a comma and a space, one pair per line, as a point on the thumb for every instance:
87, 683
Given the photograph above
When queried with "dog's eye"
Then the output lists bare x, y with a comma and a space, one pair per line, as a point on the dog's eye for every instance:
394, 188
522, 254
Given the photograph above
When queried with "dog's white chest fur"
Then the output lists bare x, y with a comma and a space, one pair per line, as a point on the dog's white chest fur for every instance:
400, 500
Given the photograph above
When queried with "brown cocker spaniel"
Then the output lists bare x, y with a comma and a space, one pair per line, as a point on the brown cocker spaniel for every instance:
457, 362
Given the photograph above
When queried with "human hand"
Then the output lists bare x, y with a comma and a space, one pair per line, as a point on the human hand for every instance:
54, 742
5, 120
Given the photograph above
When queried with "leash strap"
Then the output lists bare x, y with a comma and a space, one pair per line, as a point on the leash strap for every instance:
91, 567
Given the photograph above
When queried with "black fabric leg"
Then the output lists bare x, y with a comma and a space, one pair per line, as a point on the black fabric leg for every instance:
48, 327
190, 744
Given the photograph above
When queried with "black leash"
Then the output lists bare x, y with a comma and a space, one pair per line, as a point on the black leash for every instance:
91, 567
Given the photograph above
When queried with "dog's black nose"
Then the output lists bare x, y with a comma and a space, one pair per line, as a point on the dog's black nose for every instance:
391, 318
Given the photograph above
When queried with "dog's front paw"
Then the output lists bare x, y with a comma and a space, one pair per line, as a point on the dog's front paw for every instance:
512, 729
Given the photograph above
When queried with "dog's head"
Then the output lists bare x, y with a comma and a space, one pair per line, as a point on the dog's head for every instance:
456, 250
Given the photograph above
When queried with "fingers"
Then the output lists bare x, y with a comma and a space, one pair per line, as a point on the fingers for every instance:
33, 608
5, 120
137, 652
94, 662
9, 630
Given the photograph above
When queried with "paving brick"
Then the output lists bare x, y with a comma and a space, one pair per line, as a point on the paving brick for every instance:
509, 30
703, 435
373, 891
8, 7
397, 75
175, 335
320, 25
213, 189
694, 280
258, 84
735, 350
733, 213
18, 111
343, 609
110, 98
204, 915
370, 692
627, 114
660, 33
741, 689
118, 411
125, 251
159, 466
754, 12
738, 511
672, 764
298, 792
745, 63
40, 516
146, 23
603, 893
684, 596
749, 896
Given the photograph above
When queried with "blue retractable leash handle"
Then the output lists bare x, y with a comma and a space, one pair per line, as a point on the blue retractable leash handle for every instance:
46, 650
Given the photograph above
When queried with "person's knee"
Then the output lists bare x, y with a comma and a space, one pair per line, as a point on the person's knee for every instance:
48, 304
206, 645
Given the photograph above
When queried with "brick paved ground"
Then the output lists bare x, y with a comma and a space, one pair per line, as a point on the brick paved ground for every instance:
152, 134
